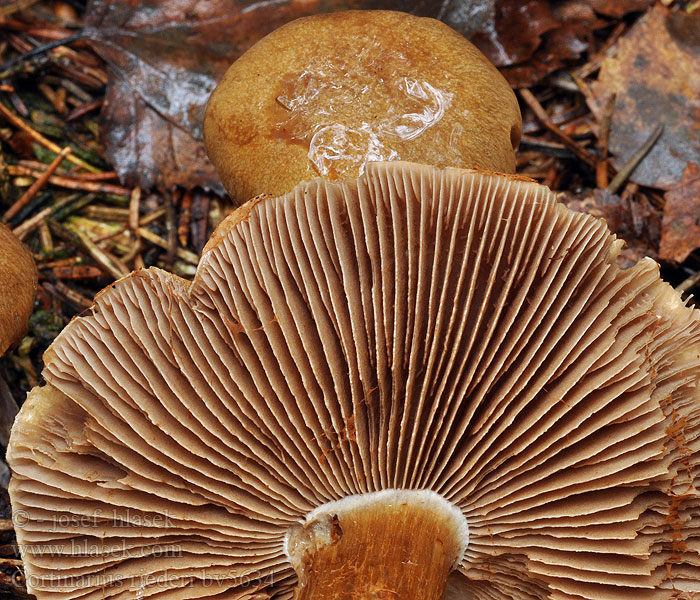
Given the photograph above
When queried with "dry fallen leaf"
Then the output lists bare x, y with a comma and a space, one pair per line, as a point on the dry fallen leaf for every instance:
618, 8
148, 149
529, 40
559, 47
516, 31
655, 74
634, 220
680, 228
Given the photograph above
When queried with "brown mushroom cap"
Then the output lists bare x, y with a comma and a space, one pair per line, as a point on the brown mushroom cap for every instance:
18, 280
323, 95
415, 329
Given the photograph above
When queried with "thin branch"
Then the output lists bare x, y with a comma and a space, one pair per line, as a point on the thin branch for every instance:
542, 116
636, 158
7, 65
36, 186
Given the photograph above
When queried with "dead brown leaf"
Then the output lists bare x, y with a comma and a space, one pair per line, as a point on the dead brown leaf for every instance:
148, 149
529, 40
516, 31
655, 74
559, 48
680, 228
633, 219
618, 8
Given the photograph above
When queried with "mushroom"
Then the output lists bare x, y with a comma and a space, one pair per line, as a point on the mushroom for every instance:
326, 94
416, 383
18, 279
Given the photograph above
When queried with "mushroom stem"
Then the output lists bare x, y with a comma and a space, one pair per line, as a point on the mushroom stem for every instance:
398, 544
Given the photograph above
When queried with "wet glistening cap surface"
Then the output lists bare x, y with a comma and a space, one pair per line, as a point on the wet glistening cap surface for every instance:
325, 95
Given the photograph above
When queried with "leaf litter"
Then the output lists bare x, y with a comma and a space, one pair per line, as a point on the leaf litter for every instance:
654, 72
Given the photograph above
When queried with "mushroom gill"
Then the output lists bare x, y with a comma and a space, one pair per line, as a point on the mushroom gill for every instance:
451, 334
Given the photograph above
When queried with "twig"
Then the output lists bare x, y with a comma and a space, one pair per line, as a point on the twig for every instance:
171, 231
542, 116
80, 35
85, 108
22, 230
92, 78
595, 61
544, 147
112, 265
75, 297
134, 209
152, 216
56, 97
85, 59
183, 226
62, 262
41, 167
601, 172
35, 187
156, 240
77, 272
76, 90
134, 255
49, 32
19, 123
689, 283
6, 11
106, 176
109, 235
564, 82
200, 214
635, 159
45, 237
72, 184
134, 214
19, 104
60, 209
64, 210
107, 213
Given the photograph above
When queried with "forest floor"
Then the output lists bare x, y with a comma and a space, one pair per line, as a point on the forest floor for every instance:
99, 175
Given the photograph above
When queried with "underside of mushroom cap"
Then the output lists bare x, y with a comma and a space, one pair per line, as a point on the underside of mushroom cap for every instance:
417, 329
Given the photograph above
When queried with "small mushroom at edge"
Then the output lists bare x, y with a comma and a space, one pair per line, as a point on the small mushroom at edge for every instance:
18, 281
